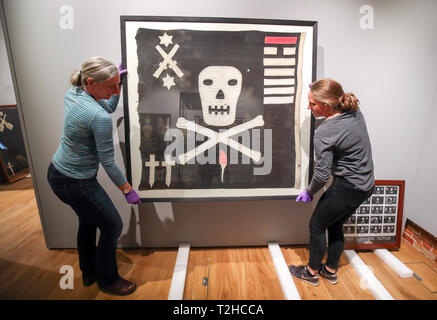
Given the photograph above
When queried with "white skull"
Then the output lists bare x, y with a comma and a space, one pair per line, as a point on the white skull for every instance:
219, 89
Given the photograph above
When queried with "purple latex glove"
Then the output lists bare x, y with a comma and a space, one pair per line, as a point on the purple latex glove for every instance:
132, 197
304, 196
121, 71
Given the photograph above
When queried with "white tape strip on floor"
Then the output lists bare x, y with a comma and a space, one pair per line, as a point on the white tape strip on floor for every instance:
367, 277
401, 269
180, 271
285, 279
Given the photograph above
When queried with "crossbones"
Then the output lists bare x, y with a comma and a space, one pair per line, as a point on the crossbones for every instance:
168, 62
219, 137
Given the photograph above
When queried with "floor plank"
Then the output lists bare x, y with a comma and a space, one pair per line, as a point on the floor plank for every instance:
233, 274
427, 275
400, 289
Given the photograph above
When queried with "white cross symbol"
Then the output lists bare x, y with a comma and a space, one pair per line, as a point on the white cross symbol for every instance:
168, 164
168, 62
217, 137
152, 164
10, 168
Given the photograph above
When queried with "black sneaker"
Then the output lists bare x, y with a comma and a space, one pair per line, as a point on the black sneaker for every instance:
331, 277
302, 273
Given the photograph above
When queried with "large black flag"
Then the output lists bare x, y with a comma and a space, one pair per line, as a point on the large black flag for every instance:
169, 64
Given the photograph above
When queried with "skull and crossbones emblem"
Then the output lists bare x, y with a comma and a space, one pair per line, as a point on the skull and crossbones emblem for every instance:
219, 89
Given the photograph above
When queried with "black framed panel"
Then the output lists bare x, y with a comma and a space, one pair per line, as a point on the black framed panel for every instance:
216, 108
377, 223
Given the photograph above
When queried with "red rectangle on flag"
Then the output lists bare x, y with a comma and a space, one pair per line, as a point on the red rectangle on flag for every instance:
280, 40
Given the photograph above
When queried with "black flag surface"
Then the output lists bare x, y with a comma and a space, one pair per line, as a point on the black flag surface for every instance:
232, 96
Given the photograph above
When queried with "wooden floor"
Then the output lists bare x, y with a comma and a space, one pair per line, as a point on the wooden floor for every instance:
28, 270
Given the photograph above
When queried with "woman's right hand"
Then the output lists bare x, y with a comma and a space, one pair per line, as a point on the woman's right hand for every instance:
132, 197
121, 71
304, 196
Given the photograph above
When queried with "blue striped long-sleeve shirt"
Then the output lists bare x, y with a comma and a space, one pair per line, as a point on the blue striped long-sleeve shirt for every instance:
86, 138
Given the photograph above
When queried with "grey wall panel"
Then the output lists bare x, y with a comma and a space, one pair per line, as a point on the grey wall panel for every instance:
390, 68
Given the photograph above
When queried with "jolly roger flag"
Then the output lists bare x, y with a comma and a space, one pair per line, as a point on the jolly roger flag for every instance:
169, 64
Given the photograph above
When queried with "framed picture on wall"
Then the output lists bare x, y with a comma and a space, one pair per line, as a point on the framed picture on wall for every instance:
13, 160
377, 223
232, 95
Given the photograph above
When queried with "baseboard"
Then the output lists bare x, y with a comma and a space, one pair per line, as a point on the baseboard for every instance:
421, 239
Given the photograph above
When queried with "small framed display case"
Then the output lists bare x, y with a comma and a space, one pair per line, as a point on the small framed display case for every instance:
377, 222
13, 160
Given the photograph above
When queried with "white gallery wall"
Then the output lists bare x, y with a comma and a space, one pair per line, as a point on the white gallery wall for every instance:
391, 67
7, 95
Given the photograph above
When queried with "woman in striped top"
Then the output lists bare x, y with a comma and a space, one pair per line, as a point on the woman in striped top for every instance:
86, 142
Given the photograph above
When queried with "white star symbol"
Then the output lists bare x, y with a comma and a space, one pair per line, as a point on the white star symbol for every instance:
165, 39
168, 82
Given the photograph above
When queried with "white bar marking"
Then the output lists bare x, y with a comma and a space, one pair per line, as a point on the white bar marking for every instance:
279, 71
279, 61
279, 82
271, 50
279, 90
284, 276
401, 269
278, 100
289, 51
180, 272
373, 284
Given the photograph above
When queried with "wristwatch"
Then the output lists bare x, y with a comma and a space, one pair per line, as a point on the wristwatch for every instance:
127, 190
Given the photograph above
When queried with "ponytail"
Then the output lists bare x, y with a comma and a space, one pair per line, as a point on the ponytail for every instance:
76, 78
348, 102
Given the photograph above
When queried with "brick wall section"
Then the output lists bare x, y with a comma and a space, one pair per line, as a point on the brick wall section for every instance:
421, 240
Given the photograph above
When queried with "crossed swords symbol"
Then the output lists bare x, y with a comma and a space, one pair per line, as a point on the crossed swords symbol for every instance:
219, 137
168, 62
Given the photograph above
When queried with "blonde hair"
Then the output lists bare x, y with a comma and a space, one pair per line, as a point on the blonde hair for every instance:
330, 92
98, 68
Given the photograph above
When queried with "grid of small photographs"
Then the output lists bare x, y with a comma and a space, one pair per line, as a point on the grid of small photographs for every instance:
377, 216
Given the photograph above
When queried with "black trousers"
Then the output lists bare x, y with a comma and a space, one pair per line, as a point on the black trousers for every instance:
337, 204
95, 210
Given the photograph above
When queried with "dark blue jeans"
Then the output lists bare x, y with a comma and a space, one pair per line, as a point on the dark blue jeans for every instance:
95, 210
337, 204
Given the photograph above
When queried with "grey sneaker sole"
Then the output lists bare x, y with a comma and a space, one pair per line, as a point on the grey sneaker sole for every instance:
331, 279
